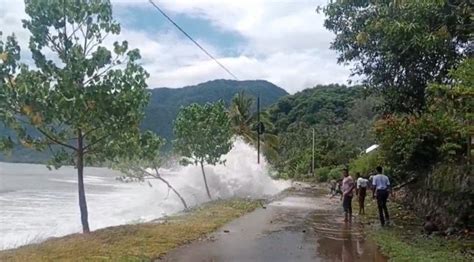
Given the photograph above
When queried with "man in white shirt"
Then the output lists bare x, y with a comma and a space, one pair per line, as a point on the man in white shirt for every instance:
361, 192
381, 189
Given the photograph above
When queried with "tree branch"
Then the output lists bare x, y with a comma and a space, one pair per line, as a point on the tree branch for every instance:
112, 65
98, 42
86, 148
90, 131
55, 140
85, 38
75, 29
54, 46
157, 176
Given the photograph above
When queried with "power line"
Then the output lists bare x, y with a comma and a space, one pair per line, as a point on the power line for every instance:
190, 38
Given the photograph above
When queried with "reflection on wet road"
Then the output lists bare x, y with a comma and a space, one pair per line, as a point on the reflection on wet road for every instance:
305, 225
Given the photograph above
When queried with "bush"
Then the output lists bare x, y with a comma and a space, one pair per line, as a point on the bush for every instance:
365, 163
335, 173
413, 144
322, 173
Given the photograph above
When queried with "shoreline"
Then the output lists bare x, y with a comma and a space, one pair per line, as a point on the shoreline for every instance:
136, 242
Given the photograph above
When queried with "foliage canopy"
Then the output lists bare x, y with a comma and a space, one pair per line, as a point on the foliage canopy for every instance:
401, 46
203, 134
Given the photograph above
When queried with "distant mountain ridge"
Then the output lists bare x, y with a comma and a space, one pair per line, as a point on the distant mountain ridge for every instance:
165, 103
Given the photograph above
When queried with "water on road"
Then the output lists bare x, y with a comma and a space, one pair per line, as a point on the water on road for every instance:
304, 225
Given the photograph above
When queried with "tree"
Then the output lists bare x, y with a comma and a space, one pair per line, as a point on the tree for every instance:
203, 134
244, 124
143, 161
401, 46
80, 98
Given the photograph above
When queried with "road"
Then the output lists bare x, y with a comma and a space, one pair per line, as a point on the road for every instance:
303, 225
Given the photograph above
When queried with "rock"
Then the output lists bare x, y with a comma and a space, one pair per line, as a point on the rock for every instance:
429, 226
451, 231
226, 231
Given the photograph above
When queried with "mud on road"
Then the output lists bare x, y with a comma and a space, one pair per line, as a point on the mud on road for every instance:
304, 225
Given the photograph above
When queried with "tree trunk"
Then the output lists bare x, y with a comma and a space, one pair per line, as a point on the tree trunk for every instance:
174, 190
205, 180
80, 183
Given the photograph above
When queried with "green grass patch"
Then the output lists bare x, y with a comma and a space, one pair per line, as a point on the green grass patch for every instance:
404, 240
399, 247
139, 242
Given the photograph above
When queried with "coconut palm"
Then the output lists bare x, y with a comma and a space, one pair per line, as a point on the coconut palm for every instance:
244, 124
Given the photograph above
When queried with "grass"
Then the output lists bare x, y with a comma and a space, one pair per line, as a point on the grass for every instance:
404, 241
139, 242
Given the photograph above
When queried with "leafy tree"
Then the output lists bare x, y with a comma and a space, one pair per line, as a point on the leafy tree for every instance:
401, 46
143, 161
203, 134
412, 144
456, 99
81, 98
244, 124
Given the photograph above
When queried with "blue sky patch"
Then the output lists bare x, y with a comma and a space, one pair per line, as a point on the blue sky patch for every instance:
151, 21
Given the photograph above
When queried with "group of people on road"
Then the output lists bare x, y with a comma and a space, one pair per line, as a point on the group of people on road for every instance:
377, 182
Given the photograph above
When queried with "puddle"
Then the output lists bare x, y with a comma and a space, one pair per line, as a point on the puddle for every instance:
339, 241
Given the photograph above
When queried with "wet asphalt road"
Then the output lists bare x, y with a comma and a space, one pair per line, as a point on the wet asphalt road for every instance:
304, 225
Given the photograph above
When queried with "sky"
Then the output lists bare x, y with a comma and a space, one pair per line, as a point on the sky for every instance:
281, 41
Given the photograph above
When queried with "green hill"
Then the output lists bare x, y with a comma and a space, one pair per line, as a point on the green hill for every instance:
341, 117
165, 103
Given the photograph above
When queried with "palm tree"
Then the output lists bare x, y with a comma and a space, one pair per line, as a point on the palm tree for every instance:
244, 124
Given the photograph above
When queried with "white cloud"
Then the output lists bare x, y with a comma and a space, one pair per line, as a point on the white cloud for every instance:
285, 42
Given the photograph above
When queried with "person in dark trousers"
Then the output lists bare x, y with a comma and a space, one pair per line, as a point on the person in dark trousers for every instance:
381, 190
347, 189
361, 192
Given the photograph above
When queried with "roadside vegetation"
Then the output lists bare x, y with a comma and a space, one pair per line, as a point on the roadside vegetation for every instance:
417, 57
139, 242
405, 240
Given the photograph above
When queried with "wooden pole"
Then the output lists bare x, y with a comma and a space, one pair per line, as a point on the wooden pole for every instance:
312, 159
258, 129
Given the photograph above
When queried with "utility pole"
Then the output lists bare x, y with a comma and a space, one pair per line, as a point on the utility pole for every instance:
258, 129
312, 159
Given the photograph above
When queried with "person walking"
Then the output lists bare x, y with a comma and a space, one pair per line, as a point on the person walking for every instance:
361, 192
381, 189
347, 194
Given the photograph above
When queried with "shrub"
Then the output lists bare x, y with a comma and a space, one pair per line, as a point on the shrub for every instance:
335, 173
366, 163
415, 143
322, 173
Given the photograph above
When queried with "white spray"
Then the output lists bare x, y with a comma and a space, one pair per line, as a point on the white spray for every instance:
47, 205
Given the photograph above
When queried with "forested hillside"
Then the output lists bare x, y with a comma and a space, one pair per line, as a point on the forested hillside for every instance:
165, 102
341, 117
164, 105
